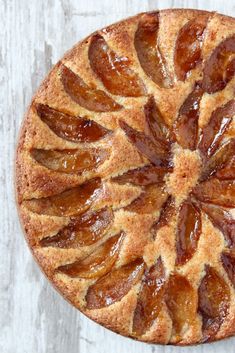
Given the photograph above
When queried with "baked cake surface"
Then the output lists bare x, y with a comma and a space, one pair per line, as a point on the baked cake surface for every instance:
125, 176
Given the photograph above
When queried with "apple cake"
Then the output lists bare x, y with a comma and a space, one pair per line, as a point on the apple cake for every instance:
125, 176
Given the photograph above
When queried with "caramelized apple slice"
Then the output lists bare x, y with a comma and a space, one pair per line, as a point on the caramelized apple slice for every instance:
147, 49
83, 230
228, 172
114, 71
159, 130
70, 127
222, 220
115, 285
181, 300
188, 46
89, 98
188, 232
157, 152
220, 67
98, 263
213, 302
228, 261
219, 192
143, 176
70, 161
68, 203
167, 212
149, 201
213, 133
221, 158
150, 298
186, 124
230, 69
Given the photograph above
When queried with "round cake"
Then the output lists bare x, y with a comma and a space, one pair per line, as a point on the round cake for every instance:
125, 176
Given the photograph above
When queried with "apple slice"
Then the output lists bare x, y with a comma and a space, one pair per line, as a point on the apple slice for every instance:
213, 302
156, 152
220, 67
70, 161
214, 131
69, 203
181, 300
143, 176
188, 46
83, 230
150, 298
115, 285
148, 51
228, 172
221, 158
98, 263
186, 124
159, 131
218, 192
223, 220
90, 98
167, 212
228, 261
150, 200
114, 71
70, 128
188, 232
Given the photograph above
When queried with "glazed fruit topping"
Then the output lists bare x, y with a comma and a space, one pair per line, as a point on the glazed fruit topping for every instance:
70, 161
71, 128
186, 124
156, 152
188, 232
150, 298
154, 143
98, 263
148, 51
167, 212
188, 46
228, 172
90, 98
83, 230
213, 302
143, 176
220, 67
181, 300
115, 285
228, 261
218, 192
69, 203
114, 71
150, 200
222, 158
223, 220
157, 127
214, 131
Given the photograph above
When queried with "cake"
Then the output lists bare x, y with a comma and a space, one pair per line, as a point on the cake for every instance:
125, 176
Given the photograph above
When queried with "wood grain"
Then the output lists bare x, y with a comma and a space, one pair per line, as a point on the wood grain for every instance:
33, 35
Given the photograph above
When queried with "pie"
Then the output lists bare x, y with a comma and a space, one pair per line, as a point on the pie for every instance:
125, 176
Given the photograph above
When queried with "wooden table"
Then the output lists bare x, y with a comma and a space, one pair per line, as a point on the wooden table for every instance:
34, 35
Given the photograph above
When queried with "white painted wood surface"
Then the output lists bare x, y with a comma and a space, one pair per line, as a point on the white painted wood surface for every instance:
33, 36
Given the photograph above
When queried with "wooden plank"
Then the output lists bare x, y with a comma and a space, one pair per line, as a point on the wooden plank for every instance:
34, 34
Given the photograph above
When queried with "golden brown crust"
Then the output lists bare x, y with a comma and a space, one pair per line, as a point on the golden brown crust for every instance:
36, 181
